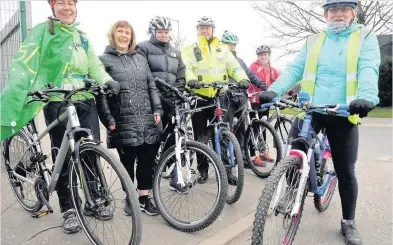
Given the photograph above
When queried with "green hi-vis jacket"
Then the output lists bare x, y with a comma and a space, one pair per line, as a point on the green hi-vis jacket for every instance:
43, 58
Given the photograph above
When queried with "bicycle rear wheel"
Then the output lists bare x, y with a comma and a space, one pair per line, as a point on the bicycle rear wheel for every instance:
273, 223
17, 157
108, 183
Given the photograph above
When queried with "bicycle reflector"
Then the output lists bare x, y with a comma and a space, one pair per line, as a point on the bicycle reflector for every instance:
219, 112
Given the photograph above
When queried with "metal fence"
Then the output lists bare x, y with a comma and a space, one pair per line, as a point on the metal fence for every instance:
15, 22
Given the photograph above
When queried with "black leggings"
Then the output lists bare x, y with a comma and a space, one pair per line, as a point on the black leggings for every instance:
343, 137
88, 118
144, 171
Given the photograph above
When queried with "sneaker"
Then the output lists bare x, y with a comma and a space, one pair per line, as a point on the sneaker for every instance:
351, 234
178, 188
258, 161
266, 157
102, 213
202, 178
127, 208
149, 208
70, 224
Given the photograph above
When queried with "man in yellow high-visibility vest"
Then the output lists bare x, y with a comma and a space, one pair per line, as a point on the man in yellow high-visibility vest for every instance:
338, 66
208, 60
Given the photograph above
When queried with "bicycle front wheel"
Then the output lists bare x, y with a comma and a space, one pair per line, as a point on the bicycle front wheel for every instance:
262, 147
273, 222
106, 180
202, 198
232, 159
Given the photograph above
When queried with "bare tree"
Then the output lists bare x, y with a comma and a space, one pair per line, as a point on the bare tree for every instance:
178, 42
292, 22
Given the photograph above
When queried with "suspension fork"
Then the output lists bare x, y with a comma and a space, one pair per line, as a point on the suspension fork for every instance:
305, 170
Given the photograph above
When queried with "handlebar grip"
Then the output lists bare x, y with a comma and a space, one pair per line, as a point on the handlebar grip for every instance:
343, 107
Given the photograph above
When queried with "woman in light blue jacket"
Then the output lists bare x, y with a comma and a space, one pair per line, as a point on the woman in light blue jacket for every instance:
331, 84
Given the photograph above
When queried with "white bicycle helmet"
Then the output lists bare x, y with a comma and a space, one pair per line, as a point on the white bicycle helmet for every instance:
160, 23
263, 49
206, 21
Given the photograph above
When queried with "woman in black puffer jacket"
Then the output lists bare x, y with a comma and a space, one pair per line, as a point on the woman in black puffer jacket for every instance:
131, 116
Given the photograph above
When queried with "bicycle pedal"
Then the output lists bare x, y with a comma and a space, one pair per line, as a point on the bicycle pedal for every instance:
40, 214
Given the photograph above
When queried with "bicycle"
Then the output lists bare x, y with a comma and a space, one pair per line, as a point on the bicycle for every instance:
225, 143
295, 175
30, 170
182, 159
255, 139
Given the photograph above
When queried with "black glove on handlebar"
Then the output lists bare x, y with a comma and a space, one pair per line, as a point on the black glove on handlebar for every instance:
361, 107
112, 87
266, 97
244, 84
194, 84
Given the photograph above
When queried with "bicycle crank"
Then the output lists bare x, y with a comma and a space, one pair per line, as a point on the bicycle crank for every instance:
42, 193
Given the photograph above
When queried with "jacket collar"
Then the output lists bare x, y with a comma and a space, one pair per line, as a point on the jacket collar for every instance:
111, 50
159, 43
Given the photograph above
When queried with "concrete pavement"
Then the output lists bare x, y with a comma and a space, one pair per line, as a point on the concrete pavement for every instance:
374, 212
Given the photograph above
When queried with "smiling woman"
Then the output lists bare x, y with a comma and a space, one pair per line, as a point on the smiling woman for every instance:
64, 10
132, 116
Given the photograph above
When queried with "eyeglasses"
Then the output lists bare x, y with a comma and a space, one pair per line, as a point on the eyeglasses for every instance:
335, 9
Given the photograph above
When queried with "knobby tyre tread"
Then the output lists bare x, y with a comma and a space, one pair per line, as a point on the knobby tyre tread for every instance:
266, 198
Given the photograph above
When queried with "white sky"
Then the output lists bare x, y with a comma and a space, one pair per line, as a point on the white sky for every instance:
96, 17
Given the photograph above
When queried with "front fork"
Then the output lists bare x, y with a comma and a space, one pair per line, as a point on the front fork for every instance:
305, 170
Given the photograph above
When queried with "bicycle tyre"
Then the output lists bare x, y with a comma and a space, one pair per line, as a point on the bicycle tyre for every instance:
276, 141
321, 204
220, 202
240, 167
38, 205
278, 127
126, 182
266, 198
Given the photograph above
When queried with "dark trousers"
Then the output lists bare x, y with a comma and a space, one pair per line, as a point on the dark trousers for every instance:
344, 142
88, 118
146, 154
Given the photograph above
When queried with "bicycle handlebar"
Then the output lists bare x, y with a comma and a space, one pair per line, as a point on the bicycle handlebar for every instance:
45, 94
337, 109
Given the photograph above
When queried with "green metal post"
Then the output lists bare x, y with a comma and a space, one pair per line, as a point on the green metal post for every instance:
22, 8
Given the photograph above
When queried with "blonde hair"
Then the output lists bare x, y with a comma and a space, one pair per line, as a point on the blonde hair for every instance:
111, 34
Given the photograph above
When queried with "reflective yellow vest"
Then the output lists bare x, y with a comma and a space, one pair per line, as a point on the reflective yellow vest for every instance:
314, 45
216, 64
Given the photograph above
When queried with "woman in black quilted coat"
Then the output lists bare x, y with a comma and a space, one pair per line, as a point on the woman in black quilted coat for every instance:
132, 116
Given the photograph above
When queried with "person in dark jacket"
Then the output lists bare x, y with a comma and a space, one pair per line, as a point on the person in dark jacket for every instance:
236, 102
133, 115
165, 63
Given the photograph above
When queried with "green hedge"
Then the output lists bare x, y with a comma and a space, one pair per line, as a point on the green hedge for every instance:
385, 82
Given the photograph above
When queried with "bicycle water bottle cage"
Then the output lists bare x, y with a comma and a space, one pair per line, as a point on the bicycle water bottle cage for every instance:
304, 98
